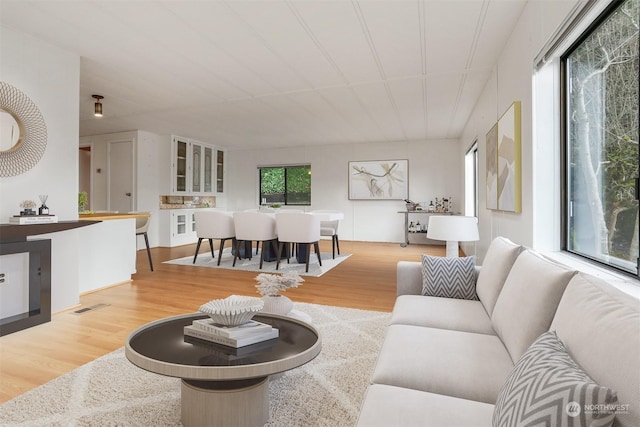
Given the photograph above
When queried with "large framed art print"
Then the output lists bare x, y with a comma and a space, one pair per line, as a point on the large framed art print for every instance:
504, 163
379, 180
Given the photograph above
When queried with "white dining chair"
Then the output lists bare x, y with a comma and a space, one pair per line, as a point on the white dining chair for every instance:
254, 226
330, 228
214, 225
299, 229
142, 227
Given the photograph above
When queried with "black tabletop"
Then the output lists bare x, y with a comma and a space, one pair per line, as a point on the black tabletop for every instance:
166, 342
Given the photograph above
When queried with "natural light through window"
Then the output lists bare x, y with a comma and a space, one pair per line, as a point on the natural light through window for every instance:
601, 140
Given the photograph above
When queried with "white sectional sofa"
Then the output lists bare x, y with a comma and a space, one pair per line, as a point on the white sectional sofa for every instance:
447, 362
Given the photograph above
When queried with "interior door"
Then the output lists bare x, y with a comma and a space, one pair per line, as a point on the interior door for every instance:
121, 176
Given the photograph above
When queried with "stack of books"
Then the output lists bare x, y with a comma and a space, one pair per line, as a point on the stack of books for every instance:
233, 336
33, 219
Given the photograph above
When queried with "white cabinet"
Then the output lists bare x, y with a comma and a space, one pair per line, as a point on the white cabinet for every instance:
183, 227
193, 167
177, 227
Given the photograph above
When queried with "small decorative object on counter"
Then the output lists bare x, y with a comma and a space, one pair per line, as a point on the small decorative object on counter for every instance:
83, 199
43, 209
27, 208
444, 205
411, 206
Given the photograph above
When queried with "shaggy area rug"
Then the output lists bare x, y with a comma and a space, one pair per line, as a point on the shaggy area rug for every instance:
205, 260
327, 391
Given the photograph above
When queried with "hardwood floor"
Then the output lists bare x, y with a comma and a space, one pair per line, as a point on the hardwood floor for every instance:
29, 358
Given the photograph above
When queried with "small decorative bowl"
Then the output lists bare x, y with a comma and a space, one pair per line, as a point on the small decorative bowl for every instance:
233, 310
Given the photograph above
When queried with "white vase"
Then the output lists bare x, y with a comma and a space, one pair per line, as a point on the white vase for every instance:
277, 304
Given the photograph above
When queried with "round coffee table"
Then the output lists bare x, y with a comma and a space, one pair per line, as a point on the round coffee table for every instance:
222, 386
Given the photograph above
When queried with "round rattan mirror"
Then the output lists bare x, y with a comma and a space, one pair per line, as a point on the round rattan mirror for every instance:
24, 133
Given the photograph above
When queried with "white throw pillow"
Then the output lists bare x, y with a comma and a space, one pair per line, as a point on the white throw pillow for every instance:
449, 277
546, 387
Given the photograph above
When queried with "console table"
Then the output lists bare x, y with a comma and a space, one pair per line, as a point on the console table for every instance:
422, 234
13, 240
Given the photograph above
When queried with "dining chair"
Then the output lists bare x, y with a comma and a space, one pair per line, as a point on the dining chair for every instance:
214, 225
299, 229
330, 229
142, 226
254, 226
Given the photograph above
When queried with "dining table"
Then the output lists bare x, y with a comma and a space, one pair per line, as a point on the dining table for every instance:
302, 248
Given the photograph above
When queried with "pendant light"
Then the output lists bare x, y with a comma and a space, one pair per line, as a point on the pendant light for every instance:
97, 109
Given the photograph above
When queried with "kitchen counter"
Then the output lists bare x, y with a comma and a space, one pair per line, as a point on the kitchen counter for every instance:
106, 216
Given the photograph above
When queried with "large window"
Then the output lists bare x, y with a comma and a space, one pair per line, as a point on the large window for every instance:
600, 140
285, 185
471, 181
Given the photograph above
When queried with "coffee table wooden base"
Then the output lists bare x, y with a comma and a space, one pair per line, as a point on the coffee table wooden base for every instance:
225, 403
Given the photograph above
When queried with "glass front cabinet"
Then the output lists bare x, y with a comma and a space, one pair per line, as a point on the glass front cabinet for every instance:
196, 167
220, 171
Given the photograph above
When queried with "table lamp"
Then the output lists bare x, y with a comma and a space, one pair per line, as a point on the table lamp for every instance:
453, 229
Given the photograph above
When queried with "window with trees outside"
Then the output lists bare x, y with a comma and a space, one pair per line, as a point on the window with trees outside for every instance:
285, 185
600, 140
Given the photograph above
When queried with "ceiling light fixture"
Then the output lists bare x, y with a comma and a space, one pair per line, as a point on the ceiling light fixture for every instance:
97, 109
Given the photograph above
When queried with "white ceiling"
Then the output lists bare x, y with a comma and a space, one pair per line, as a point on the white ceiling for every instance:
245, 74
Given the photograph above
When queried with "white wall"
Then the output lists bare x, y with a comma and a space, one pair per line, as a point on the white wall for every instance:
434, 171
512, 80
49, 76
151, 173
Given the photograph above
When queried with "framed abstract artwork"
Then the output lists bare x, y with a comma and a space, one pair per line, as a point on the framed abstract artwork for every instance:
379, 180
504, 151
492, 168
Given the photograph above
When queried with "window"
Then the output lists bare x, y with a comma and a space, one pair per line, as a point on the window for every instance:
471, 181
285, 185
600, 140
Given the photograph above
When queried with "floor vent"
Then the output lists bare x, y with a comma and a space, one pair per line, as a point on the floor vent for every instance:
93, 307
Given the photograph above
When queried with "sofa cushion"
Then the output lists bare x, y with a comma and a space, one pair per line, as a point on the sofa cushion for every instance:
546, 387
444, 313
388, 406
496, 265
447, 277
600, 327
528, 301
459, 364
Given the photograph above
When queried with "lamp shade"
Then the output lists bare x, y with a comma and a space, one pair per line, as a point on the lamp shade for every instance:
453, 228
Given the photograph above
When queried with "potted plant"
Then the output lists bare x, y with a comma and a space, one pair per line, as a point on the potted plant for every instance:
269, 286
83, 199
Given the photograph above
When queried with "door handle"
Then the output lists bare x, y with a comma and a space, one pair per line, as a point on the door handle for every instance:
127, 194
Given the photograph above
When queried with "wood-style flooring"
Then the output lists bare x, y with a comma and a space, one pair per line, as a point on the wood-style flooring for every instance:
29, 358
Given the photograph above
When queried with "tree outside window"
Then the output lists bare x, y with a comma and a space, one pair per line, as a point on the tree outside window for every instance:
601, 141
285, 185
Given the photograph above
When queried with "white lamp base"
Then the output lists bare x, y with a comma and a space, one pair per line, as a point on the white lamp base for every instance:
452, 249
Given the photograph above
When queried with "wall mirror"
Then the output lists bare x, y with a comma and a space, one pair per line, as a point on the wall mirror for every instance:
23, 133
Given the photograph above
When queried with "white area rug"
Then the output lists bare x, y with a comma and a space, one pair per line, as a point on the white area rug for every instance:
327, 391
205, 260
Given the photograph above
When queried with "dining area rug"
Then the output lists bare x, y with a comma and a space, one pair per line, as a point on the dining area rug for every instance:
110, 390
245, 264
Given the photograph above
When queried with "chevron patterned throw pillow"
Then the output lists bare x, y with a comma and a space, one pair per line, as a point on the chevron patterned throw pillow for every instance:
547, 388
449, 277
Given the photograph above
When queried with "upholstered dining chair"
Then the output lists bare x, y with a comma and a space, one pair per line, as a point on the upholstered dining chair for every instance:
214, 225
254, 226
142, 226
330, 229
298, 228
